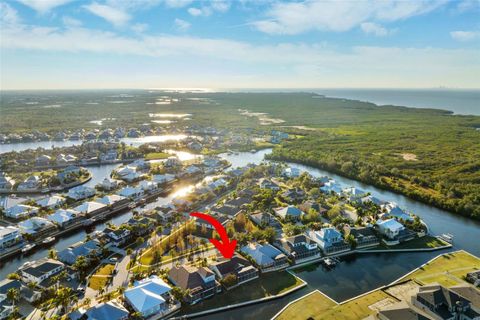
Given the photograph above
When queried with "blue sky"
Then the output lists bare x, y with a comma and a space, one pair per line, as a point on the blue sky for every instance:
68, 44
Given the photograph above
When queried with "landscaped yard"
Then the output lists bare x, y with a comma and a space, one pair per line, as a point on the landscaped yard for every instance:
267, 285
421, 243
156, 155
100, 278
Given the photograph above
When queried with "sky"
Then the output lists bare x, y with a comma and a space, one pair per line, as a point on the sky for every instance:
82, 44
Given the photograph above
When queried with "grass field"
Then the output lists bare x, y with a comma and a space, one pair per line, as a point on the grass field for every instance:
425, 242
100, 278
267, 285
156, 155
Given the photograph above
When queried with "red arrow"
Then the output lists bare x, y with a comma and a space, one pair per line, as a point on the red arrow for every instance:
226, 247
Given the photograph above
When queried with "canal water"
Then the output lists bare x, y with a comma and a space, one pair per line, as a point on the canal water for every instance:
355, 275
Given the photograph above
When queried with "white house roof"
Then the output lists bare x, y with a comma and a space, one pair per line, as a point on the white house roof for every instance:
50, 201
89, 206
390, 224
19, 210
61, 216
110, 199
33, 224
147, 294
129, 191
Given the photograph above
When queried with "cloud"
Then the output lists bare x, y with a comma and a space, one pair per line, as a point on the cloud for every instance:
299, 17
115, 16
8, 14
221, 6
374, 28
181, 25
465, 36
140, 27
43, 6
177, 3
71, 22
196, 12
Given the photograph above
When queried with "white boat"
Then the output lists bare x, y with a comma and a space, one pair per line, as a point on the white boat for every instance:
48, 240
28, 247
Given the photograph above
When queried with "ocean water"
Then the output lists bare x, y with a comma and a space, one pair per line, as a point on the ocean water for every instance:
465, 102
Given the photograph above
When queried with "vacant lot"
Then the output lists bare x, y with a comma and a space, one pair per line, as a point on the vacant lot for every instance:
101, 277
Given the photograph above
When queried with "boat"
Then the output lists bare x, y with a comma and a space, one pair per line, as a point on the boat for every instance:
48, 240
329, 262
448, 237
28, 247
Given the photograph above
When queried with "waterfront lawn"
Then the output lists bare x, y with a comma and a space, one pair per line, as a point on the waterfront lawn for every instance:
448, 268
156, 155
425, 242
100, 278
269, 284
317, 306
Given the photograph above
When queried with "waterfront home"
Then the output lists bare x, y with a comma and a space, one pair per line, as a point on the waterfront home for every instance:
128, 173
10, 201
371, 199
65, 159
200, 282
265, 219
40, 271
237, 267
192, 170
267, 257
19, 211
163, 178
290, 213
299, 247
51, 202
31, 183
365, 237
90, 208
64, 217
112, 200
217, 183
330, 240
72, 170
88, 249
109, 156
390, 228
151, 297
290, 172
265, 183
36, 226
6, 306
116, 237
398, 311
9, 236
130, 192
81, 192
353, 194
331, 187
474, 278
392, 210
147, 185
444, 303
43, 160
111, 310
109, 184
6, 182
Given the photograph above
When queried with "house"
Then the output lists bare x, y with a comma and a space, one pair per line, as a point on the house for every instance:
42, 160
81, 192
225, 210
111, 310
40, 271
51, 202
130, 192
265, 219
6, 183
238, 267
474, 278
112, 200
147, 185
312, 205
200, 282
371, 199
88, 249
293, 195
299, 247
399, 311
365, 237
390, 228
353, 194
151, 296
265, 183
20, 211
331, 187
36, 226
329, 240
444, 303
163, 178
290, 172
116, 237
267, 257
64, 217
290, 212
172, 161
6, 306
141, 225
31, 183
9, 236
109, 184
192, 170
91, 208
394, 211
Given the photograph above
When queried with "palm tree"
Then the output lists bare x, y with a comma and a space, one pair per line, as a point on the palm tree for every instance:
63, 298
13, 294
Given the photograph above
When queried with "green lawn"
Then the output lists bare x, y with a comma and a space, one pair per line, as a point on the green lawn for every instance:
267, 285
100, 279
156, 155
425, 242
